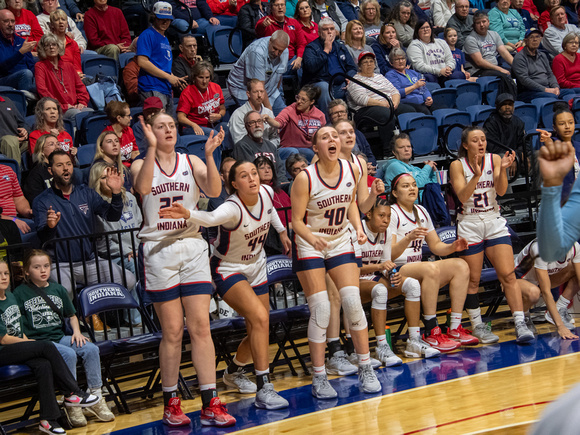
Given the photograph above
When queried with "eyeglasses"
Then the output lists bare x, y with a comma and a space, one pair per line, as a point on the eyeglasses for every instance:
405, 12
338, 112
50, 44
367, 62
425, 29
254, 123
299, 99
400, 59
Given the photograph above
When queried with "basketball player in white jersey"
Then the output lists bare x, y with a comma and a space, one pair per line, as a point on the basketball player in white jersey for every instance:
338, 363
175, 262
536, 275
238, 268
477, 178
411, 226
378, 283
323, 204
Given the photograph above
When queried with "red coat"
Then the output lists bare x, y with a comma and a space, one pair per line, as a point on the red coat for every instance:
292, 27
62, 84
27, 26
104, 28
72, 53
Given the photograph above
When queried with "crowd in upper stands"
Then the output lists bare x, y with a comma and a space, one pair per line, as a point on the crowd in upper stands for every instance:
403, 49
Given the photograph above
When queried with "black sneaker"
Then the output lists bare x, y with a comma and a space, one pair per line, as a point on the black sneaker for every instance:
51, 427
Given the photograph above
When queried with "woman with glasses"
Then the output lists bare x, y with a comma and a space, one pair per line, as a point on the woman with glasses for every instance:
430, 56
298, 122
304, 16
404, 19
201, 105
58, 79
119, 116
409, 83
370, 17
566, 65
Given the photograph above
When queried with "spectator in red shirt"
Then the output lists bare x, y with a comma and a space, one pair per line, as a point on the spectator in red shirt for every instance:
307, 25
49, 120
277, 20
26, 22
12, 200
298, 122
107, 30
544, 21
72, 52
58, 79
201, 105
119, 115
226, 11
566, 65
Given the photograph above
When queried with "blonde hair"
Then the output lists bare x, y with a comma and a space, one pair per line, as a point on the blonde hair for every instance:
100, 155
38, 156
95, 179
348, 33
374, 3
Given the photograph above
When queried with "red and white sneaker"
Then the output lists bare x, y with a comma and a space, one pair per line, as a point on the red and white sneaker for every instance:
216, 415
173, 415
463, 336
440, 342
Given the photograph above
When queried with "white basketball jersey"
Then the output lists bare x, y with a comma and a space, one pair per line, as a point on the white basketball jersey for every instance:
357, 163
483, 201
529, 259
244, 243
377, 248
178, 186
327, 209
402, 223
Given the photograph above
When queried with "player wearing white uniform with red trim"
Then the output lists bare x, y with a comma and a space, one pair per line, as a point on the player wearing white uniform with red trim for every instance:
536, 275
238, 268
322, 205
411, 227
176, 270
338, 362
377, 284
477, 178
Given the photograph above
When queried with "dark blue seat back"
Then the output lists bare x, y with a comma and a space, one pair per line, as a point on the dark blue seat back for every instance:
102, 297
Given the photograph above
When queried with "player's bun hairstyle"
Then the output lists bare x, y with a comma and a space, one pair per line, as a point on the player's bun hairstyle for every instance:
233, 174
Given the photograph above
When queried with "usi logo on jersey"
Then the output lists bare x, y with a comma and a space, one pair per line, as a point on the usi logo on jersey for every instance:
348, 184
84, 208
185, 173
489, 172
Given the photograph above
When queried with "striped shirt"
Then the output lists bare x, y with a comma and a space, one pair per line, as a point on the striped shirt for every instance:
358, 97
9, 189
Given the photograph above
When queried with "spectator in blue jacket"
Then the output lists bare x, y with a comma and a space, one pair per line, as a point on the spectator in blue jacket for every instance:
349, 8
323, 58
65, 210
386, 41
409, 83
201, 15
16, 61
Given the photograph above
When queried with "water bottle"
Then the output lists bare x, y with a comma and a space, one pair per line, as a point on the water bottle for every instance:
421, 89
391, 273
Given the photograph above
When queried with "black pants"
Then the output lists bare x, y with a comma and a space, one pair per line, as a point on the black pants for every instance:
378, 115
48, 367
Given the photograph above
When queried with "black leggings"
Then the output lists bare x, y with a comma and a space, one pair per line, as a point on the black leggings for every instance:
48, 367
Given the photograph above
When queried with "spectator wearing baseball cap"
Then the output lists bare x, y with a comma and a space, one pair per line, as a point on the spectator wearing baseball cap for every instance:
155, 59
107, 30
532, 70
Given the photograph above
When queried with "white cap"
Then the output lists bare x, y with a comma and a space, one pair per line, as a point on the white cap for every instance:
163, 11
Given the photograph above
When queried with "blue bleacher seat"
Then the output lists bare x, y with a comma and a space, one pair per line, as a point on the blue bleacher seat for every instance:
468, 93
443, 98
218, 37
451, 123
103, 65
489, 86
479, 113
196, 145
432, 86
422, 130
576, 109
545, 109
17, 97
86, 154
528, 113
93, 126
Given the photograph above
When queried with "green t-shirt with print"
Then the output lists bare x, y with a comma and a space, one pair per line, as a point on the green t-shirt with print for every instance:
10, 317
39, 321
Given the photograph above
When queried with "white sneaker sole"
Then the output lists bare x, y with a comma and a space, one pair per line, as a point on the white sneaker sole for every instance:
233, 385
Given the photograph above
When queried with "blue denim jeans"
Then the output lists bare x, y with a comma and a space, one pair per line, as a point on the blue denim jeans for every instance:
23, 80
90, 357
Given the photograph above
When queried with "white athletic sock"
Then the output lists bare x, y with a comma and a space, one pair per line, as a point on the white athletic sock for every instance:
262, 372
364, 359
319, 370
474, 316
429, 316
562, 302
519, 316
207, 387
414, 332
455, 320
238, 362
381, 339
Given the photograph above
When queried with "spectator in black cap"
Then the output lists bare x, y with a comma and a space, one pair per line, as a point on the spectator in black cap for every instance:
532, 70
504, 129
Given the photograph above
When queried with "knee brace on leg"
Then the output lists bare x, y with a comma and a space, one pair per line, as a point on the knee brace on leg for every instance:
319, 306
412, 290
353, 309
379, 295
